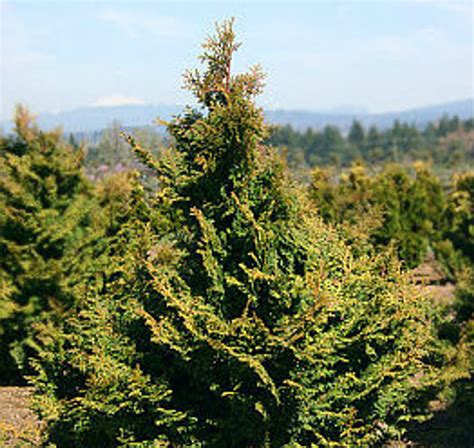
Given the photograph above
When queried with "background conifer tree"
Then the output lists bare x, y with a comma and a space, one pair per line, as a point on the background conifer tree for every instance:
44, 220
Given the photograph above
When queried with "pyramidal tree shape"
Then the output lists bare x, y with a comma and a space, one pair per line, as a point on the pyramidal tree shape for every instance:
238, 318
45, 200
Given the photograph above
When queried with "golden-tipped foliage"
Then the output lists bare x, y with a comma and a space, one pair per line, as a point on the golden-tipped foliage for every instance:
234, 316
45, 202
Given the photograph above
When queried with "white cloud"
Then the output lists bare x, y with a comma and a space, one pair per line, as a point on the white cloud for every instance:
134, 23
117, 100
392, 47
463, 8
408, 46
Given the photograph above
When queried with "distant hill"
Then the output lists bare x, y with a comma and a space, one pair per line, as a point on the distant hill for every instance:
89, 119
419, 117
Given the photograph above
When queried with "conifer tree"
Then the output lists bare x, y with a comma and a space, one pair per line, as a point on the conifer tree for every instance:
407, 206
44, 203
460, 215
235, 317
356, 136
413, 210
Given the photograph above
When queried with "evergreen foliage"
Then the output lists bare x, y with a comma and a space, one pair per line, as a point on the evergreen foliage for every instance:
408, 208
45, 222
460, 215
448, 143
230, 314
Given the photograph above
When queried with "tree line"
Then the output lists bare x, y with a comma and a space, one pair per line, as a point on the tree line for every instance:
448, 142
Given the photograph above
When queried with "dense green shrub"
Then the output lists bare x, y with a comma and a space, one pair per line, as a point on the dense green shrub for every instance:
230, 314
460, 215
402, 206
45, 226
413, 209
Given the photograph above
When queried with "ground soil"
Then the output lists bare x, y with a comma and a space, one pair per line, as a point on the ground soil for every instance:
19, 428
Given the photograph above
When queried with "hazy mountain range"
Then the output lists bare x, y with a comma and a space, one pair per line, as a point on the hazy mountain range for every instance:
88, 119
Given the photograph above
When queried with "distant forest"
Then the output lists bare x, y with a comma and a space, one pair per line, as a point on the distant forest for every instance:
448, 142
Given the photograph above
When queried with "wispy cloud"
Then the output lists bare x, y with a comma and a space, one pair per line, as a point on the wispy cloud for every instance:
396, 47
135, 23
391, 47
463, 8
117, 100
382, 48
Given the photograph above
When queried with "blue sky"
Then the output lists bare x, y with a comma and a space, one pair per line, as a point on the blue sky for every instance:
318, 55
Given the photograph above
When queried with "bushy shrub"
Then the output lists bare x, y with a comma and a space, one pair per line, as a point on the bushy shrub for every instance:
399, 206
460, 215
45, 224
231, 315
